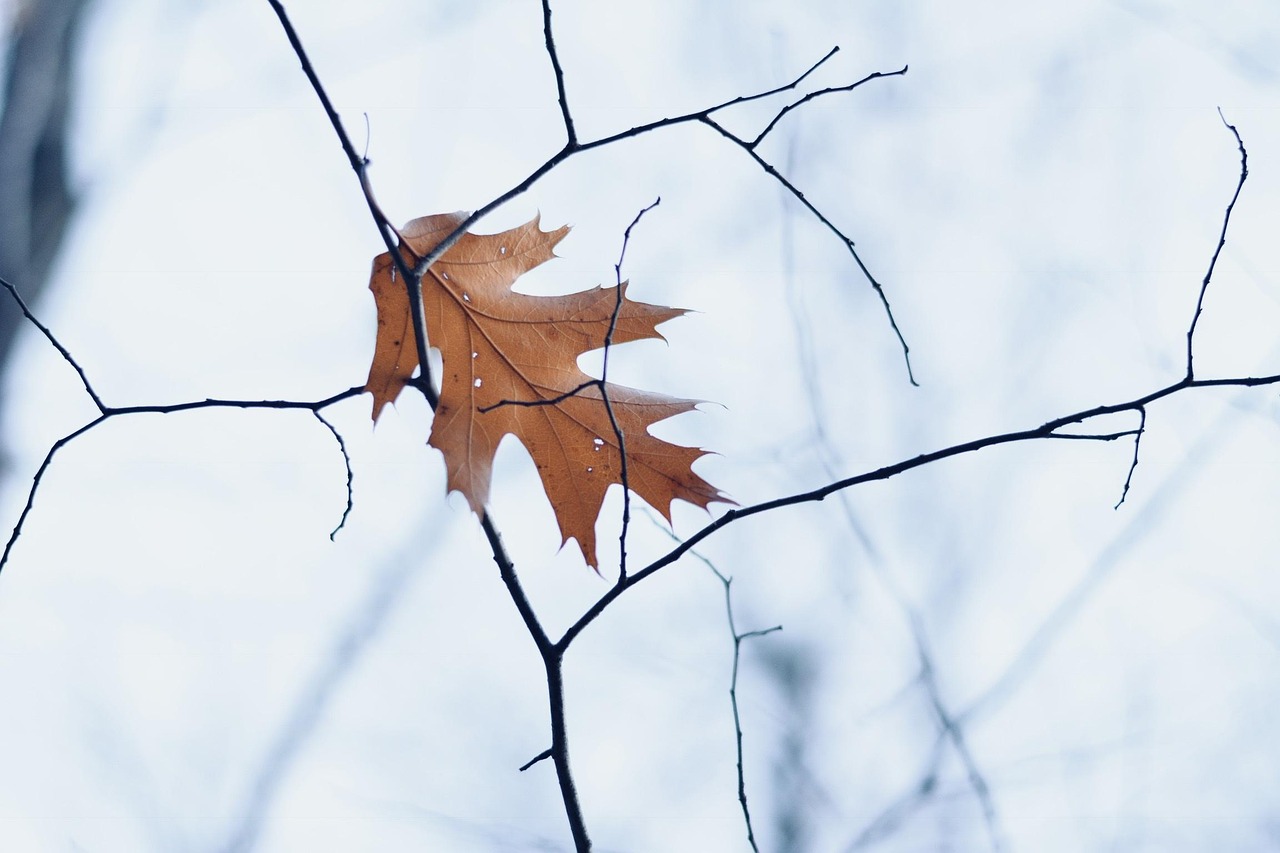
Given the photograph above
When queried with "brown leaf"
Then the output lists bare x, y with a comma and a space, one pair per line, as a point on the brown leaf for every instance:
499, 347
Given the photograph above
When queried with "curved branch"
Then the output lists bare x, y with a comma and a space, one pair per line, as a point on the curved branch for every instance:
109, 412
1222, 241
1047, 430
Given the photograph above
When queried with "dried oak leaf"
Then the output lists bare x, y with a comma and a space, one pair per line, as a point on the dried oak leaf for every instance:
500, 347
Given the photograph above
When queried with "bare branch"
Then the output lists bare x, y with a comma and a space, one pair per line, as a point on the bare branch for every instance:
821, 217
1047, 430
66, 355
818, 94
699, 115
346, 459
1137, 445
574, 147
779, 89
1093, 436
571, 136
738, 638
390, 236
109, 412
552, 652
551, 656
1222, 241
545, 401
35, 485
604, 393
546, 753
1143, 522
950, 728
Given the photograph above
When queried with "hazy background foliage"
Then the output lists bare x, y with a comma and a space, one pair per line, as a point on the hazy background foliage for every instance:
190, 664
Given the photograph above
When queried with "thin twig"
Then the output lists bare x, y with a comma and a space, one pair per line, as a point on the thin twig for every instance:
66, 355
949, 724
848, 243
552, 653
551, 656
571, 136
737, 717
818, 94
346, 459
738, 638
1222, 241
413, 281
602, 385
1093, 436
1047, 430
1137, 445
35, 485
604, 393
574, 147
1145, 519
545, 401
119, 411
545, 754
390, 236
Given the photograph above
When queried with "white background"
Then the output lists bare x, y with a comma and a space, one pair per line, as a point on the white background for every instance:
188, 663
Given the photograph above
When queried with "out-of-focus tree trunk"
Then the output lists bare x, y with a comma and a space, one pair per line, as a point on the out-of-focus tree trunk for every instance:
36, 201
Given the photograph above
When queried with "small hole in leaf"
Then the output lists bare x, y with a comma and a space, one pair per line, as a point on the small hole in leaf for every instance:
502, 250
474, 354
446, 276
479, 381
466, 297
590, 469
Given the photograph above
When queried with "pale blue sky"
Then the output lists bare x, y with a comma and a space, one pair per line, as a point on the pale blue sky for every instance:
1040, 195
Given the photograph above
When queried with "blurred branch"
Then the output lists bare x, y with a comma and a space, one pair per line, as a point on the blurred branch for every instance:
893, 816
733, 694
364, 626
36, 200
1143, 521
738, 638
953, 730
949, 726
